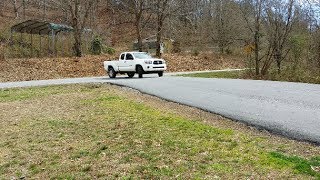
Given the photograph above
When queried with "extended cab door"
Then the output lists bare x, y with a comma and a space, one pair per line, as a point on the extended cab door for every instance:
121, 63
129, 63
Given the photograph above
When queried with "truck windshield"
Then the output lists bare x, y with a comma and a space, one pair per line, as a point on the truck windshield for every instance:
142, 55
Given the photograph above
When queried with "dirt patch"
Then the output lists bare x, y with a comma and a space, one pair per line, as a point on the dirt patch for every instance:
88, 66
51, 68
202, 62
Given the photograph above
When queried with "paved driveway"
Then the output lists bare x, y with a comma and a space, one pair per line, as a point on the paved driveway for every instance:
290, 109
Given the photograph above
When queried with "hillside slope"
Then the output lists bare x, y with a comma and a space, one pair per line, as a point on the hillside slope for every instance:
54, 68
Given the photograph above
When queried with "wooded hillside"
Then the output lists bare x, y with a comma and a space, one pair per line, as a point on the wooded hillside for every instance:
273, 36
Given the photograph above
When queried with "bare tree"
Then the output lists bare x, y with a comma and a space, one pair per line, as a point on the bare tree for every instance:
313, 10
252, 13
163, 9
279, 21
223, 19
24, 6
161, 12
138, 9
44, 4
15, 8
79, 12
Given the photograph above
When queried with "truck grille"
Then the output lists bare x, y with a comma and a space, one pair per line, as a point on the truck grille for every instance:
157, 62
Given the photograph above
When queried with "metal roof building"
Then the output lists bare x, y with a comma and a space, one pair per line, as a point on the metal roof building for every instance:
42, 28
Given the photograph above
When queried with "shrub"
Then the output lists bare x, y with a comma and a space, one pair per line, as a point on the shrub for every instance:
109, 50
96, 46
228, 51
176, 47
2, 52
195, 52
297, 44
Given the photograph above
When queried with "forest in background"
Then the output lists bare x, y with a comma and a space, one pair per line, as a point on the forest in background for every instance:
275, 37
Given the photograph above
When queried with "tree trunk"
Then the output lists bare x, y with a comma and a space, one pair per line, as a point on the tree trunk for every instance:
256, 52
24, 8
78, 42
220, 27
1, 8
138, 29
138, 12
257, 36
15, 9
159, 37
44, 10
278, 58
279, 67
77, 29
318, 58
268, 60
221, 48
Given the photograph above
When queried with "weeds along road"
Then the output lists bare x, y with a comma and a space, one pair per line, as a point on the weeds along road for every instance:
290, 109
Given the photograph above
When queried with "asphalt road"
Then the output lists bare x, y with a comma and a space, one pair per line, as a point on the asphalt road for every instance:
289, 109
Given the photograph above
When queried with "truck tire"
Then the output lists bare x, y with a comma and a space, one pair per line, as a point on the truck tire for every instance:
112, 73
160, 74
131, 74
140, 71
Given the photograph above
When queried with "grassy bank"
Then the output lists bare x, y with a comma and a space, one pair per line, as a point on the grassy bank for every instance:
97, 131
287, 75
221, 74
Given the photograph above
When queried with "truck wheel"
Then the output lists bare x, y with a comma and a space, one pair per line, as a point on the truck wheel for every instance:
160, 74
130, 75
112, 73
140, 71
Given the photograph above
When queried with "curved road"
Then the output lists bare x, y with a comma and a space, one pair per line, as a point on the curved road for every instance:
290, 109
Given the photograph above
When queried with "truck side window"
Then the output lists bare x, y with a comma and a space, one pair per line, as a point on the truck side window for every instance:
122, 57
129, 57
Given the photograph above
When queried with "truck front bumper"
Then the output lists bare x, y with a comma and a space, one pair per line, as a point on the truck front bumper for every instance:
154, 68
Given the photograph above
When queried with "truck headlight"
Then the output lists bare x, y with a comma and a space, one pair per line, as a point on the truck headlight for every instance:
148, 62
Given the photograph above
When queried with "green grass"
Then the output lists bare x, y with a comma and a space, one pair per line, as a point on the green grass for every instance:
286, 75
300, 165
221, 74
89, 132
25, 94
20, 94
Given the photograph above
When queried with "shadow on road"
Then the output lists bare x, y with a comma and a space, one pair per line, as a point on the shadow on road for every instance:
127, 78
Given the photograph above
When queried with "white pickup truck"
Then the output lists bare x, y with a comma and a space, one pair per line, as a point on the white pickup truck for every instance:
135, 62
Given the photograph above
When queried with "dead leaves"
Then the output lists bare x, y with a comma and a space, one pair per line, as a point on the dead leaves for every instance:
316, 168
51, 68
69, 67
202, 62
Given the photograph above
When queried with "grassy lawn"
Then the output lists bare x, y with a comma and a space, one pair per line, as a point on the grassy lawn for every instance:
107, 132
221, 74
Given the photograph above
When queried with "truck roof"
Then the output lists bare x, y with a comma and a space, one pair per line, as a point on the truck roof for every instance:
133, 52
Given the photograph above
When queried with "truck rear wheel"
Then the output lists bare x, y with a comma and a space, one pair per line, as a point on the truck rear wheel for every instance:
112, 73
131, 74
140, 71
